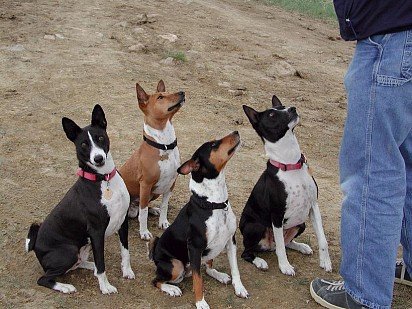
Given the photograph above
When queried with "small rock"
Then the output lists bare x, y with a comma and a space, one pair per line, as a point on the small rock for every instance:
167, 61
138, 30
281, 68
99, 34
236, 92
121, 24
16, 48
137, 47
238, 121
49, 37
243, 88
224, 84
59, 36
169, 37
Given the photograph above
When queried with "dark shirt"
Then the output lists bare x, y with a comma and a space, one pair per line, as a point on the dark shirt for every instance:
359, 19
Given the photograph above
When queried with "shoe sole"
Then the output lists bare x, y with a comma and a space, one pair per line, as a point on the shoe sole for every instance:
321, 301
403, 281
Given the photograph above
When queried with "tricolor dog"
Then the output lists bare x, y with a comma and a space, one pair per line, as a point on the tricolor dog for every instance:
204, 227
284, 196
95, 207
151, 170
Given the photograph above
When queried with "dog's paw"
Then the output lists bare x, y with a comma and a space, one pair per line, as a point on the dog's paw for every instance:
240, 290
133, 211
128, 273
146, 235
107, 288
325, 263
202, 304
304, 248
260, 263
170, 289
287, 269
221, 277
164, 225
155, 211
64, 288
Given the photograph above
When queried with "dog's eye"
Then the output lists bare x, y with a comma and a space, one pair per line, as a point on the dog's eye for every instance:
214, 145
101, 138
84, 145
271, 114
160, 97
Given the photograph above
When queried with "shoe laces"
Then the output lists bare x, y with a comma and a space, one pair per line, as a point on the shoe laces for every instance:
399, 262
334, 285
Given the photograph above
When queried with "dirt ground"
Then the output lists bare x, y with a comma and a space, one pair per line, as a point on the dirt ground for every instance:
59, 58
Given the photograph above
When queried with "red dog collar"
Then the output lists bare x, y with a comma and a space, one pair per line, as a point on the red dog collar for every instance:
96, 177
289, 167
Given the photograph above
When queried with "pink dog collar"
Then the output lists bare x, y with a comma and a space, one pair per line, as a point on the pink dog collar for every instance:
96, 177
289, 167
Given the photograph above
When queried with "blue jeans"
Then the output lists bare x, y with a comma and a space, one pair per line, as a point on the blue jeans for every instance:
376, 167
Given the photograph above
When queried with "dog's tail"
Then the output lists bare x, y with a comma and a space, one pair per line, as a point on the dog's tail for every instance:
31, 236
152, 246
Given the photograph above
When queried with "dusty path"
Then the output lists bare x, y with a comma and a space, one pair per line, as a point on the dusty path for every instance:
59, 58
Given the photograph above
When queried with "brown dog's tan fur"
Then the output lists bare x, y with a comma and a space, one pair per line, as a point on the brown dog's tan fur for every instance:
141, 171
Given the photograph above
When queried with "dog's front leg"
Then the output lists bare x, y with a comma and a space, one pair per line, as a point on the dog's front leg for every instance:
234, 269
324, 257
145, 190
97, 240
163, 222
195, 256
124, 249
283, 262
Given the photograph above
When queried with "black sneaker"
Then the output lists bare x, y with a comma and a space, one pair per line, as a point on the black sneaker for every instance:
401, 274
332, 295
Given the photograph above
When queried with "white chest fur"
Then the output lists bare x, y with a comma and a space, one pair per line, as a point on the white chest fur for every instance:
301, 195
118, 203
220, 228
168, 166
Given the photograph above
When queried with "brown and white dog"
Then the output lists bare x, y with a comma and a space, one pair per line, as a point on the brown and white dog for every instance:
151, 171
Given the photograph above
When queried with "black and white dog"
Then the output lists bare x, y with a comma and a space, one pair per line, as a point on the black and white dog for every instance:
94, 208
284, 196
204, 227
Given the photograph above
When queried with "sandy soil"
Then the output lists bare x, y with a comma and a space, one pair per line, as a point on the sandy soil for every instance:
59, 58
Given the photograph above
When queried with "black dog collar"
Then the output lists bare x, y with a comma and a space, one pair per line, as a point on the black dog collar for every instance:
160, 146
202, 203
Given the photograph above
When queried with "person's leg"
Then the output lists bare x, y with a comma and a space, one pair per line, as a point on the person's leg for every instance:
406, 238
372, 170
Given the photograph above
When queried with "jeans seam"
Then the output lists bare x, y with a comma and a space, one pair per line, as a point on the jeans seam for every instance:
407, 239
365, 302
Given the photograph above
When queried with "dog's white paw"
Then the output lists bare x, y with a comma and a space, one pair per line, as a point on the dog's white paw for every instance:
64, 288
304, 248
240, 290
287, 269
325, 262
133, 211
128, 273
155, 211
108, 288
221, 277
202, 304
146, 235
164, 225
260, 263
170, 289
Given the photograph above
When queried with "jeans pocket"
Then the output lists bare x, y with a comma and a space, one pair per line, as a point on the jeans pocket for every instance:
395, 63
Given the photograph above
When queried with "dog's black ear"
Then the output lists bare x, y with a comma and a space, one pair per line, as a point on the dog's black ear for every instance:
71, 129
98, 117
188, 167
161, 86
276, 102
142, 96
251, 114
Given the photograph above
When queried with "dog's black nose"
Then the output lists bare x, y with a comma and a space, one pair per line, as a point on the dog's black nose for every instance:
293, 109
182, 93
98, 159
236, 132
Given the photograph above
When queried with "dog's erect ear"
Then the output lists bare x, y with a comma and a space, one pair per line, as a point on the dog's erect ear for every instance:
142, 96
161, 86
276, 102
251, 114
71, 129
188, 167
98, 117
